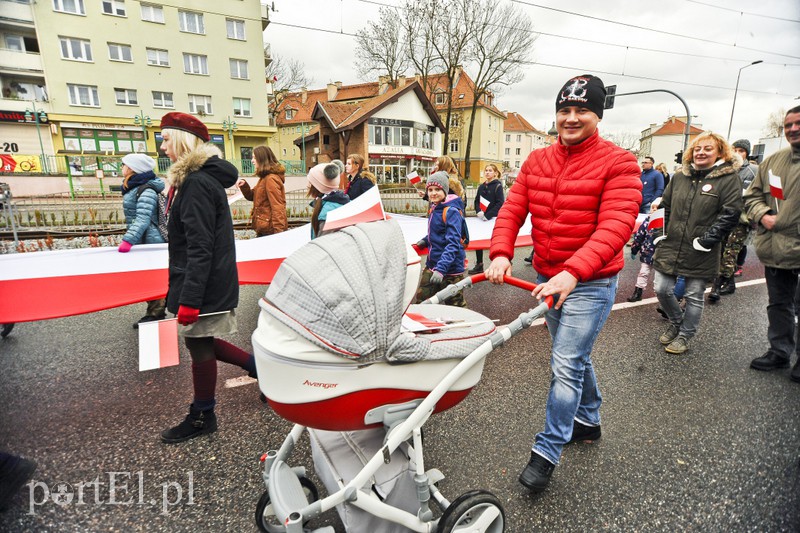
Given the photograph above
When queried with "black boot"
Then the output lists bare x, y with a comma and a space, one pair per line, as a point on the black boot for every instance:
713, 296
727, 286
636, 296
477, 269
195, 424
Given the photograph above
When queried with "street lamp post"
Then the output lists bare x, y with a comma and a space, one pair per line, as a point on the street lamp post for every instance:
38, 116
144, 121
230, 126
735, 92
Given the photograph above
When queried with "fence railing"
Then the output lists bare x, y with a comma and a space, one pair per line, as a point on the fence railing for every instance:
101, 210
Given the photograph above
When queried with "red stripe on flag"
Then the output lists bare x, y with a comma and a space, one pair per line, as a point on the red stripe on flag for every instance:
168, 343
776, 192
372, 214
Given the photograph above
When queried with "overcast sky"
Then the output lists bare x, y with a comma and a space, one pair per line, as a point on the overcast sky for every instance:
746, 29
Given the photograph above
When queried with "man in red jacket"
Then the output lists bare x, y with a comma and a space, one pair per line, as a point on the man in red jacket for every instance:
583, 194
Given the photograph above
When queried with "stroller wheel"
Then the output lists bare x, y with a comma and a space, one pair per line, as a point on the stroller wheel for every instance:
477, 510
265, 514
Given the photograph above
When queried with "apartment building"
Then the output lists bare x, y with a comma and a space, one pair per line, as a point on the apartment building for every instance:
520, 138
102, 73
294, 114
663, 141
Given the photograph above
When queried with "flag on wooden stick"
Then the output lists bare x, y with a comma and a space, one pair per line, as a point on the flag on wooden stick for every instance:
158, 344
656, 219
775, 188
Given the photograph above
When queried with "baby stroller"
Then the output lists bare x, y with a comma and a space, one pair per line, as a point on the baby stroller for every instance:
333, 356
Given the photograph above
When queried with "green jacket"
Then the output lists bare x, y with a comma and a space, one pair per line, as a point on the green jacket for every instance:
780, 247
698, 204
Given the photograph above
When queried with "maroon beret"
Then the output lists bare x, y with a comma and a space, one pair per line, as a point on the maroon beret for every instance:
182, 121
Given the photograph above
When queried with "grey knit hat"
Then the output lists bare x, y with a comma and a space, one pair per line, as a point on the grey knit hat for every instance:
744, 144
439, 179
338, 163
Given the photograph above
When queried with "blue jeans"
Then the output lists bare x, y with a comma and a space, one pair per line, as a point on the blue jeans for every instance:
680, 287
574, 394
688, 320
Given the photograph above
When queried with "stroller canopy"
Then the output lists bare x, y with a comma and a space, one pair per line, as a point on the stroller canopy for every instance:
344, 292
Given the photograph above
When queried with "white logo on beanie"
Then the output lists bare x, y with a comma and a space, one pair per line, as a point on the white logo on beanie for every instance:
575, 91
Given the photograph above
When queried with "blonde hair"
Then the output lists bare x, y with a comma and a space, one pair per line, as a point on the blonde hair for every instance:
183, 142
496, 170
445, 162
724, 149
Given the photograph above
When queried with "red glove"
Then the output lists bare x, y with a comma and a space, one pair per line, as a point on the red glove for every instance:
124, 247
187, 315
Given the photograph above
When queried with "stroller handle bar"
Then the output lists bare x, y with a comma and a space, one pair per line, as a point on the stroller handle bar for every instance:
451, 290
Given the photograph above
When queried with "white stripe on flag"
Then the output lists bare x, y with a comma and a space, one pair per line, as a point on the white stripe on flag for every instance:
365, 208
158, 344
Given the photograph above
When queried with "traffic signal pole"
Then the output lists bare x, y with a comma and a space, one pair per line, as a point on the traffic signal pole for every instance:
676, 95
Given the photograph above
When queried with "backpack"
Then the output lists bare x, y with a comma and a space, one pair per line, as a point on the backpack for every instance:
464, 229
161, 208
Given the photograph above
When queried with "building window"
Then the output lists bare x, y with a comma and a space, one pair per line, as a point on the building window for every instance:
239, 69
126, 96
162, 99
75, 49
516, 164
151, 13
284, 151
195, 64
508, 151
83, 95
289, 113
158, 58
69, 6
200, 104
519, 138
191, 22
454, 145
235, 29
114, 7
241, 107
119, 52
518, 151
454, 120
15, 43
440, 98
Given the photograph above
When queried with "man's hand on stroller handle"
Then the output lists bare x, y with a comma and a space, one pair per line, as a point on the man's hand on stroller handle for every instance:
500, 267
559, 285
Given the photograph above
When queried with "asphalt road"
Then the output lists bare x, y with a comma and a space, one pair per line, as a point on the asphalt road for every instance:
692, 442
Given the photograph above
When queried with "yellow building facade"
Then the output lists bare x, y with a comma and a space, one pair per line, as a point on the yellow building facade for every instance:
102, 73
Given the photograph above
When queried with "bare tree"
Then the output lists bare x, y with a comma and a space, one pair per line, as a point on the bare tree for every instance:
774, 126
501, 42
287, 75
380, 49
419, 34
627, 140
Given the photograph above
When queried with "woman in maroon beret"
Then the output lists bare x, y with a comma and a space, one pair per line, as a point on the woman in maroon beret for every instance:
203, 281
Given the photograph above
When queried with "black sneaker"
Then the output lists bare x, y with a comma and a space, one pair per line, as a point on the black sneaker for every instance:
14, 473
584, 433
148, 318
537, 473
6, 329
195, 424
477, 269
795, 374
769, 361
529, 259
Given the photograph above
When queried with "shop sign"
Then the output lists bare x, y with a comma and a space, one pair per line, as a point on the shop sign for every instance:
400, 150
19, 117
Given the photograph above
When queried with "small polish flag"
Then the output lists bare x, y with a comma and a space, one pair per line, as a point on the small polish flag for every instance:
158, 344
414, 178
775, 188
365, 208
415, 322
483, 204
656, 219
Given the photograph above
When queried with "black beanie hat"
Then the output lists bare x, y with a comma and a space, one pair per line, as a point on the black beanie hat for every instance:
584, 91
744, 144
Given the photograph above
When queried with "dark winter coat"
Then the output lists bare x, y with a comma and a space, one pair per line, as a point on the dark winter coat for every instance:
652, 188
703, 204
141, 213
492, 191
202, 252
358, 185
446, 253
643, 242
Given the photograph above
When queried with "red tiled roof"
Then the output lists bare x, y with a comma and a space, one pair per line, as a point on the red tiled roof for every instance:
516, 122
676, 127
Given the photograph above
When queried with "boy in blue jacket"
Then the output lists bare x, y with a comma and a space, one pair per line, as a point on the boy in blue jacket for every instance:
445, 241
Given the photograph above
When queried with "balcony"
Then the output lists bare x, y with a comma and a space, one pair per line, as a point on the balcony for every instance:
18, 14
15, 104
13, 61
264, 16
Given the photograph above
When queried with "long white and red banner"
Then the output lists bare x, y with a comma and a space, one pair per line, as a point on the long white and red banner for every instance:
54, 284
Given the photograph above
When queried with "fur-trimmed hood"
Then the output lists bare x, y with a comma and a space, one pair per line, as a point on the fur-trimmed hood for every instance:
208, 157
719, 169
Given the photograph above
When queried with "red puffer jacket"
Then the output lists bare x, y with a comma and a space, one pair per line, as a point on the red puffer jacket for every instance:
583, 201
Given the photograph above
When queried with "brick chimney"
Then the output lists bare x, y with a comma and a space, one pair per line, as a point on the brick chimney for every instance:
383, 84
303, 94
401, 82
